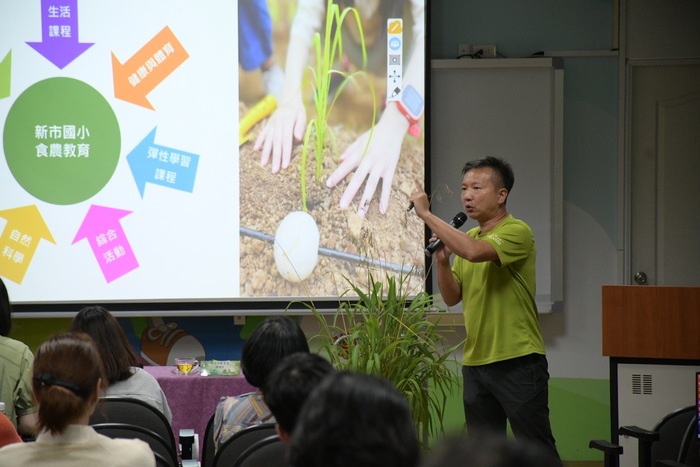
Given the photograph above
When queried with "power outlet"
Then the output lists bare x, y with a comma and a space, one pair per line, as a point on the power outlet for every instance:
487, 51
464, 49
239, 319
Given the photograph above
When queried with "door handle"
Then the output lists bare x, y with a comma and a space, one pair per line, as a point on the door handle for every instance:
640, 278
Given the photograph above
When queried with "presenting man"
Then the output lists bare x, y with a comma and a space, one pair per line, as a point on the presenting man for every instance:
504, 365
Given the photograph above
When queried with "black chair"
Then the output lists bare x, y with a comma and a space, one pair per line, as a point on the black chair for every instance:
231, 450
611, 452
268, 452
165, 455
669, 440
690, 449
208, 446
113, 409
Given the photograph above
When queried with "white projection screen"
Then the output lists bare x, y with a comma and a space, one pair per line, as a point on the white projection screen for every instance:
146, 157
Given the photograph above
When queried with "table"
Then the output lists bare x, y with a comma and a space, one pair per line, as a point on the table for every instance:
193, 398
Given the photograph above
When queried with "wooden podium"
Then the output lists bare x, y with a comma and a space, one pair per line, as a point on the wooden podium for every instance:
651, 322
652, 336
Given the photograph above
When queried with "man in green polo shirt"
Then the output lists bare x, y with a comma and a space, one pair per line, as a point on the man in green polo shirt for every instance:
504, 365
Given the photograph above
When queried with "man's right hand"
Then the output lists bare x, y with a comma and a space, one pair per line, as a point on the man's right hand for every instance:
442, 254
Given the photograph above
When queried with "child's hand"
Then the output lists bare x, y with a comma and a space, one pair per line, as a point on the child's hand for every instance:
285, 126
379, 162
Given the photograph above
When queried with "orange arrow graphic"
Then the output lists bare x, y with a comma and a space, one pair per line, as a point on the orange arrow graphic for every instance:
140, 75
20, 239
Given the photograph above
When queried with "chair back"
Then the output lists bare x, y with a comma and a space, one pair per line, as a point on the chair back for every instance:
163, 461
690, 448
672, 440
231, 450
112, 409
672, 431
268, 452
164, 454
208, 446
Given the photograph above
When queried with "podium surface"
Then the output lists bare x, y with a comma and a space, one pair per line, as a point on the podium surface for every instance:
652, 336
651, 322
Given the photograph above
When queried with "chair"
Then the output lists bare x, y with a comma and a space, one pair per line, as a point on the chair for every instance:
165, 455
670, 440
113, 409
208, 446
690, 449
268, 452
611, 452
237, 444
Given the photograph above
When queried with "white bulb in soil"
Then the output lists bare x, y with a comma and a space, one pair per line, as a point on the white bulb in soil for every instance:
296, 246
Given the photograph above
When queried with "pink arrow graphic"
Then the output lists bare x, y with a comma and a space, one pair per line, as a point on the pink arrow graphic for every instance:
108, 241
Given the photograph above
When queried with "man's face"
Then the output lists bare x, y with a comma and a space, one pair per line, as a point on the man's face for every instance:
482, 194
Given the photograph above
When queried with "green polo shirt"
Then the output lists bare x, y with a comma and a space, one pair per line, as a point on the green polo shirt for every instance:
498, 297
16, 378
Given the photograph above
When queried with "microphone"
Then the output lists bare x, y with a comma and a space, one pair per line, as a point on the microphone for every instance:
456, 222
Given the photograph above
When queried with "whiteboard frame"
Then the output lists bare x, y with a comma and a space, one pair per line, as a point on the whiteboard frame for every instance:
545, 75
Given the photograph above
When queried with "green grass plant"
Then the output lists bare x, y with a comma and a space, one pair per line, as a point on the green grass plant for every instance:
387, 334
327, 49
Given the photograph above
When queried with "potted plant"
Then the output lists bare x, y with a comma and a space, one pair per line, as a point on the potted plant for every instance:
385, 333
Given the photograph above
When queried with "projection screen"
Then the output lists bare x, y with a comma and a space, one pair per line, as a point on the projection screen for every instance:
223, 156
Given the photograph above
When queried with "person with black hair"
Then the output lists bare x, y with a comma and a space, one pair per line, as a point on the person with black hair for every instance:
15, 373
125, 375
504, 367
273, 339
354, 419
67, 380
289, 385
488, 451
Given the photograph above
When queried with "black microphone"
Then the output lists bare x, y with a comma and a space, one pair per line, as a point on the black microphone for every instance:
456, 222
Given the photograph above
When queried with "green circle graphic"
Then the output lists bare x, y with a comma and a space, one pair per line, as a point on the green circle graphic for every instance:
62, 141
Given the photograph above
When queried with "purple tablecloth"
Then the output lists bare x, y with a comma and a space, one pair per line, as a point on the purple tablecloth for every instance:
193, 398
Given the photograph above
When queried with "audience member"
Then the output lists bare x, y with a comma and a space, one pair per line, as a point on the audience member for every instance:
8, 432
289, 385
125, 377
354, 419
15, 373
489, 451
273, 339
67, 381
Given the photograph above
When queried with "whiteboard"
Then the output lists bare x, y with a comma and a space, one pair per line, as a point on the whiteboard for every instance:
512, 109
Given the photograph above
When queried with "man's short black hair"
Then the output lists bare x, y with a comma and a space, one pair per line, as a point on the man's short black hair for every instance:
354, 419
290, 383
501, 167
268, 344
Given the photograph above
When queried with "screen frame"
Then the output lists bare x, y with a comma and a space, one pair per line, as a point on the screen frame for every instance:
245, 305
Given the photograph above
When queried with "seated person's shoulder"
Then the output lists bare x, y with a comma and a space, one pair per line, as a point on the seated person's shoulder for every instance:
12, 347
228, 403
135, 452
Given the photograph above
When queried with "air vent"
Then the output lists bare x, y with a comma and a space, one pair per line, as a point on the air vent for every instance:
642, 384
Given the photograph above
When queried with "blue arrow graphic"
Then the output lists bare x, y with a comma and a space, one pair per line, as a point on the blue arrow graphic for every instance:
162, 165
